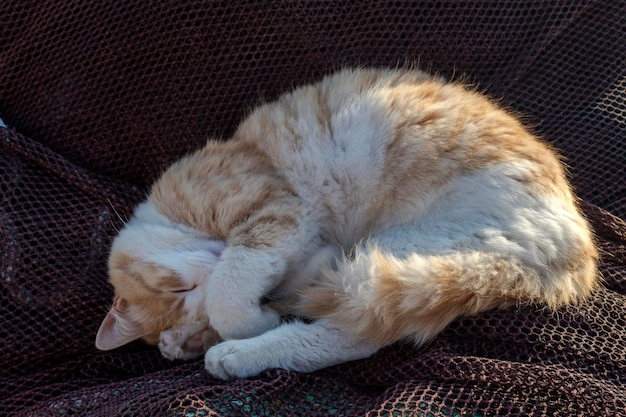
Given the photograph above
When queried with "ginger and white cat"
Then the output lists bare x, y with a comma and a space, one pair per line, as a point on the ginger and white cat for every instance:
379, 204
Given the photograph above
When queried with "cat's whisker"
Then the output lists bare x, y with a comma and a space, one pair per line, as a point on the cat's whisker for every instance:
117, 229
106, 309
124, 221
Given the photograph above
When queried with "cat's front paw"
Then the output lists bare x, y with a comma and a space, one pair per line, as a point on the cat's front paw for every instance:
244, 324
236, 359
186, 342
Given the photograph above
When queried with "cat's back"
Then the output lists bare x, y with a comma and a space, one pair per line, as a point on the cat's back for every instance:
341, 137
346, 116
368, 124
371, 144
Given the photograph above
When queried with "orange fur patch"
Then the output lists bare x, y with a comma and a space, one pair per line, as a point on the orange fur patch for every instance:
397, 310
221, 188
146, 287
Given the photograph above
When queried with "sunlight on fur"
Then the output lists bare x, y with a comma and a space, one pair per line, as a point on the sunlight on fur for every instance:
379, 205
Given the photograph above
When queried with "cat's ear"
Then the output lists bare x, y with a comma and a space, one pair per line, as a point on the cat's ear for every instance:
117, 329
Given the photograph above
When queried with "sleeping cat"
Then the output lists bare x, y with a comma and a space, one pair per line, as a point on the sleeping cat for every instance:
379, 204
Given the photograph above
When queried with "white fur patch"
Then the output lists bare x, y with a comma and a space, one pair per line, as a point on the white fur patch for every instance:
293, 346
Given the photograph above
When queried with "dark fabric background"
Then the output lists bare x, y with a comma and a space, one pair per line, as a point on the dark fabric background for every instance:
100, 96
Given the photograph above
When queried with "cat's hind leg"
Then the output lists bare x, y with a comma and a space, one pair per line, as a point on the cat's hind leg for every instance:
294, 346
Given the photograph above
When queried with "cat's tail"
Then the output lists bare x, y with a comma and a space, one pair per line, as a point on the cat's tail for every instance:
383, 299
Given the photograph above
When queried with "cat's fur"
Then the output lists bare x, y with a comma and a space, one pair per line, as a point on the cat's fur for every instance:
441, 203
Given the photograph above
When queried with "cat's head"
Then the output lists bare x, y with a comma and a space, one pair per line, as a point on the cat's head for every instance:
158, 269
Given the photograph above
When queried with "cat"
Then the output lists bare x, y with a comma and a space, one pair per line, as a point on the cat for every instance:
408, 202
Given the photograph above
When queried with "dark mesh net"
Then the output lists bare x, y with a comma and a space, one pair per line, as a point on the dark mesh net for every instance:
100, 96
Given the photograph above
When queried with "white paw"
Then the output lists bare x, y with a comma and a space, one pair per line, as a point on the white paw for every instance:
244, 324
186, 342
236, 359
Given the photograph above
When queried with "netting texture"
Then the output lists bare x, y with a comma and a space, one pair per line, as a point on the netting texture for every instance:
99, 97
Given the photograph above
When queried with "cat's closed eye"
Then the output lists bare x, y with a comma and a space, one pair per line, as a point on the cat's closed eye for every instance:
183, 290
